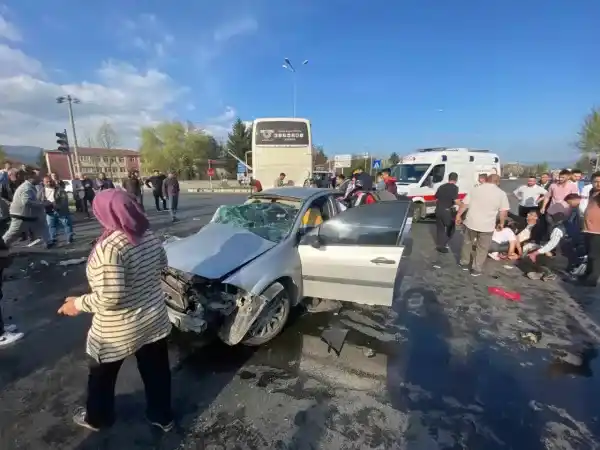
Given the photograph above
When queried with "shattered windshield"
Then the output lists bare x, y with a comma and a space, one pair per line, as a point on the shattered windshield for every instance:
271, 219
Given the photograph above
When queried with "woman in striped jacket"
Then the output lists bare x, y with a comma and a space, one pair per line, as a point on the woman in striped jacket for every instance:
130, 316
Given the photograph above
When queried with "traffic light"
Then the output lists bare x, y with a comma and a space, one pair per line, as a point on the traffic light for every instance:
62, 141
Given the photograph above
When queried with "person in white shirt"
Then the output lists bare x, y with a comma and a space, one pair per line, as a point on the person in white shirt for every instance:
504, 240
529, 196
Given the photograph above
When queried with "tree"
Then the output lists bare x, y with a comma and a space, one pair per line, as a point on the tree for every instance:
174, 146
589, 135
106, 136
319, 157
2, 155
239, 141
394, 159
41, 162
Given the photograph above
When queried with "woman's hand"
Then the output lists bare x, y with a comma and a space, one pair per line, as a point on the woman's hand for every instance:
68, 308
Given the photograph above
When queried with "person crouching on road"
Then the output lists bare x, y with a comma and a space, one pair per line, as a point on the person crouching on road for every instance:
27, 213
171, 192
130, 315
446, 198
57, 210
484, 203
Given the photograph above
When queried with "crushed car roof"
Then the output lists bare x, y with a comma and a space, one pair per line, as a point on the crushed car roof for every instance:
300, 193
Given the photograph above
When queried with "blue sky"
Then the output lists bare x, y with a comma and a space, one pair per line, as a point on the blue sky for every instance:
515, 77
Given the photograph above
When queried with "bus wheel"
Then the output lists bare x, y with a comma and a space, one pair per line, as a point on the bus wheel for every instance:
418, 212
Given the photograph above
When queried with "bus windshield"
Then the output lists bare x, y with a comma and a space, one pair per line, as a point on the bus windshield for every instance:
409, 173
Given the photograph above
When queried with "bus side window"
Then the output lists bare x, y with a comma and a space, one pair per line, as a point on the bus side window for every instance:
437, 173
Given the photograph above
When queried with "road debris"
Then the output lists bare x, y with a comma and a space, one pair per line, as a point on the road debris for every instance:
43, 262
369, 352
531, 336
72, 262
335, 339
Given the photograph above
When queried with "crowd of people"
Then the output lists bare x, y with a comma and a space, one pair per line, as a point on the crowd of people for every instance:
560, 214
36, 208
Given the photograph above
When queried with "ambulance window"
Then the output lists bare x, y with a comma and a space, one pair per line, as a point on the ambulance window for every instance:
437, 173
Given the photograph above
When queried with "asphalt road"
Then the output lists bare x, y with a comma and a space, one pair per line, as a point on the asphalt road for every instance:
446, 368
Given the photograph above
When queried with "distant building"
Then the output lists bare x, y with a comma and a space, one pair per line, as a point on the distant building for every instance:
115, 163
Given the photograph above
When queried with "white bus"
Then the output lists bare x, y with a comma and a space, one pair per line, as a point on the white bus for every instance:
281, 145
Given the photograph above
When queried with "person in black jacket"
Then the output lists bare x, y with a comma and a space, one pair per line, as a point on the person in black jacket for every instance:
155, 182
133, 186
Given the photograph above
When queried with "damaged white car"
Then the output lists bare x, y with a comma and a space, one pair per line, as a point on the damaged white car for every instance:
242, 273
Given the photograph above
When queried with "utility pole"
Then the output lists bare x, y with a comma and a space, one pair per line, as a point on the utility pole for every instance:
69, 100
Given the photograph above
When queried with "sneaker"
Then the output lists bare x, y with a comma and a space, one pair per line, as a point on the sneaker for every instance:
443, 249
494, 255
11, 328
166, 427
10, 337
464, 267
475, 273
79, 417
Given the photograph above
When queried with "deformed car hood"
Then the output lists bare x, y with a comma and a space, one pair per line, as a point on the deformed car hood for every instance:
216, 250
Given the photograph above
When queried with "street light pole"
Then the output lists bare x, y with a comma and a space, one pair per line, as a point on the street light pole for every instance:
70, 100
287, 65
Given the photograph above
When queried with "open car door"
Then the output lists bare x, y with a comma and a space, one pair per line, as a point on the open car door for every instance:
354, 256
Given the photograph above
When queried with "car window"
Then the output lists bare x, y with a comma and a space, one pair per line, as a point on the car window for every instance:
379, 224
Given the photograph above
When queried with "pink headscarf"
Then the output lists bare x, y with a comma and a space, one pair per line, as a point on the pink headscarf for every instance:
116, 210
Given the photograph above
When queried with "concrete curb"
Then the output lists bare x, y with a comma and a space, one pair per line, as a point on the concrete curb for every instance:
218, 191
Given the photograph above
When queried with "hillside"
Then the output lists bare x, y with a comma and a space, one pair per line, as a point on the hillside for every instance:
24, 153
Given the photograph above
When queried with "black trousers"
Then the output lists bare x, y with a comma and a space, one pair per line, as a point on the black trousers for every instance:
592, 248
445, 226
524, 210
84, 203
158, 196
153, 365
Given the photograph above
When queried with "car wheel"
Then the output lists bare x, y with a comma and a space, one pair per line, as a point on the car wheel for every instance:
418, 212
271, 321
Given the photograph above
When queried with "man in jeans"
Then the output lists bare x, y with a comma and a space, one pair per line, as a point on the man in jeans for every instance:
170, 188
484, 203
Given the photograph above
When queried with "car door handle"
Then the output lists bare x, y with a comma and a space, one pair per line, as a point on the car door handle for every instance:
382, 260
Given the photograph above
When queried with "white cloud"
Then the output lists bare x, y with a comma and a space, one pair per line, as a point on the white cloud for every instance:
9, 31
122, 95
235, 28
116, 92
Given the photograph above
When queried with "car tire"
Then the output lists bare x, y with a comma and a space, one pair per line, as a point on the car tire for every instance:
418, 212
280, 307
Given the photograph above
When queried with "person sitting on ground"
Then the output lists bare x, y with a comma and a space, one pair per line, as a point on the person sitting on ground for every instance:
504, 242
531, 235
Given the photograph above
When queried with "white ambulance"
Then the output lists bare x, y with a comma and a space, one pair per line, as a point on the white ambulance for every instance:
418, 175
